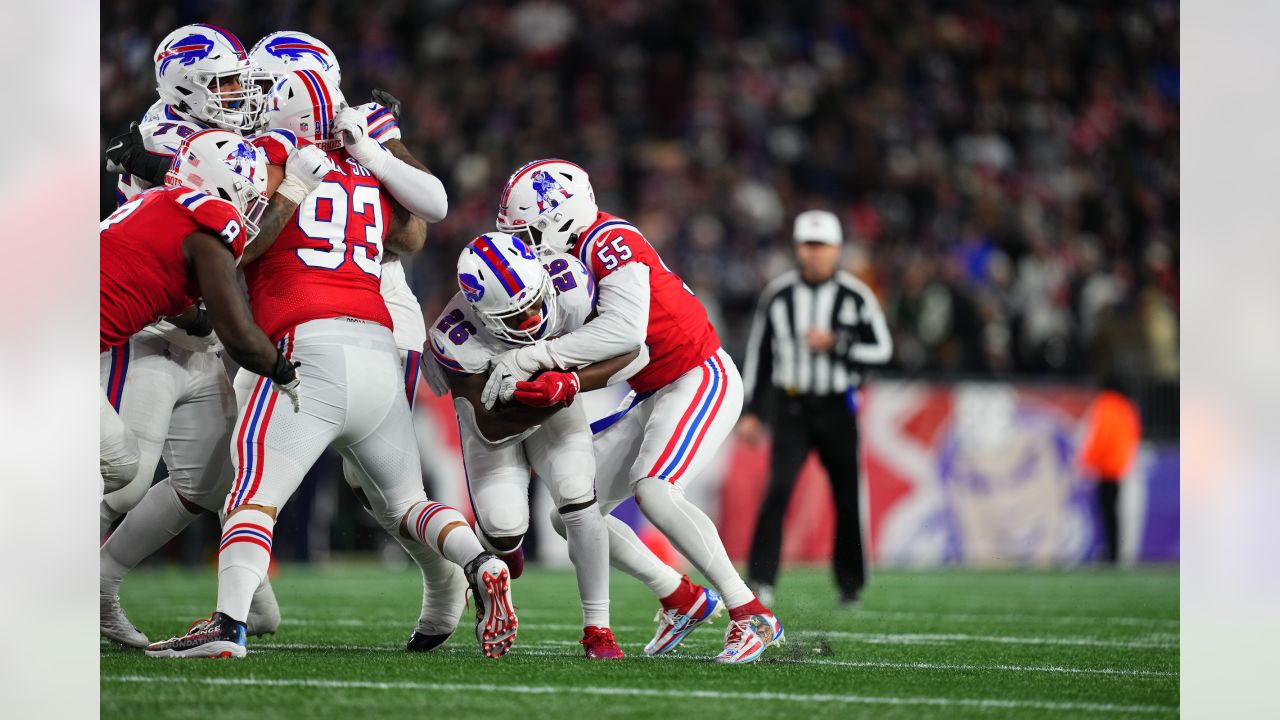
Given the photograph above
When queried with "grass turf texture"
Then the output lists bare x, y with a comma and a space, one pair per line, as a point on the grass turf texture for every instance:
1085, 643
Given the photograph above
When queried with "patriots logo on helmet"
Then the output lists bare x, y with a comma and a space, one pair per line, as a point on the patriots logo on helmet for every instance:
293, 49
186, 51
243, 159
545, 186
472, 290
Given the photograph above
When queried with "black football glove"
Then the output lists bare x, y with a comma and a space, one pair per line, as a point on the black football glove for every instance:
127, 154
388, 101
284, 378
200, 326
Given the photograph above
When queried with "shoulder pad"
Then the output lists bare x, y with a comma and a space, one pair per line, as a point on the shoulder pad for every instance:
164, 136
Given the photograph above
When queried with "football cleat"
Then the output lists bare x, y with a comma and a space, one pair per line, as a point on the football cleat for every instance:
745, 640
495, 612
421, 642
599, 643
264, 611
514, 561
675, 623
217, 637
114, 625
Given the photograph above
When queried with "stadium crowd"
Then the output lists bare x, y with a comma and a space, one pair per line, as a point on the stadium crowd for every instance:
1007, 172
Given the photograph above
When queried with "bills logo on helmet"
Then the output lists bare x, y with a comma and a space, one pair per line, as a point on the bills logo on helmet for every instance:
524, 250
186, 51
290, 48
472, 290
545, 186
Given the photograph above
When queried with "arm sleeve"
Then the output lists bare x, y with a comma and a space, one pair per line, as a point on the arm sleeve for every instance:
620, 325
759, 361
874, 344
421, 193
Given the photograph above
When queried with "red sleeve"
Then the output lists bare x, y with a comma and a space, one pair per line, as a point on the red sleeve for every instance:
279, 144
222, 220
614, 247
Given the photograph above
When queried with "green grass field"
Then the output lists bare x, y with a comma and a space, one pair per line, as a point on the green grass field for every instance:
1086, 643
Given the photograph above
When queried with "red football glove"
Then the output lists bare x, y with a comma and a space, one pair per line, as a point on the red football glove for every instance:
548, 389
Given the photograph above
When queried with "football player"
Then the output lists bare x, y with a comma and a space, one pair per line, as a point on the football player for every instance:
167, 382
511, 297
685, 402
315, 292
273, 57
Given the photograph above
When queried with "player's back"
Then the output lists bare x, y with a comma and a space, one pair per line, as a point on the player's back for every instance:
327, 261
162, 130
143, 268
680, 335
460, 341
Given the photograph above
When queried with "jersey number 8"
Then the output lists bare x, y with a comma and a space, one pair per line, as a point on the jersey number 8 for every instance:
324, 215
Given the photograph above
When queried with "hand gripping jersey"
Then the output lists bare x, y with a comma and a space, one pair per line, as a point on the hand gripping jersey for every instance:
680, 337
461, 343
144, 273
327, 261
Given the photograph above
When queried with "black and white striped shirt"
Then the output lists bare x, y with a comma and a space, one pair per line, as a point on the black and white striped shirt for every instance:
778, 351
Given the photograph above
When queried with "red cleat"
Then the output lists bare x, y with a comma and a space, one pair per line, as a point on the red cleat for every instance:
599, 643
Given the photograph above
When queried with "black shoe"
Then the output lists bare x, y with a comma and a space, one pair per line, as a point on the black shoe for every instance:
419, 642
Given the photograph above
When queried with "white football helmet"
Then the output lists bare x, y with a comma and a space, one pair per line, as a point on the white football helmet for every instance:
550, 202
507, 286
224, 165
194, 63
285, 50
304, 101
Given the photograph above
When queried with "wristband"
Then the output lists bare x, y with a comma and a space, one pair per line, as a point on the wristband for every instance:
291, 188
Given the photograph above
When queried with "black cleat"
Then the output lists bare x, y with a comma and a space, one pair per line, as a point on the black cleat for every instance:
419, 642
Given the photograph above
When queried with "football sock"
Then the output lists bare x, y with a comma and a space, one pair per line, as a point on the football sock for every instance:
685, 594
429, 523
589, 552
747, 609
444, 589
243, 558
693, 534
631, 556
155, 521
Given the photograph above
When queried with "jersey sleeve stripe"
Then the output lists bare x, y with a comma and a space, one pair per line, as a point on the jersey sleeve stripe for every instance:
382, 130
193, 199
377, 115
445, 360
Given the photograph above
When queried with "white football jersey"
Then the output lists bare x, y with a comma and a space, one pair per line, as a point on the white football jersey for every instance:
163, 130
461, 343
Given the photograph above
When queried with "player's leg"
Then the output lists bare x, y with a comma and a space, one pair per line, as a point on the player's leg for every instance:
117, 448
378, 437
272, 449
791, 445
562, 456
689, 421
142, 385
837, 444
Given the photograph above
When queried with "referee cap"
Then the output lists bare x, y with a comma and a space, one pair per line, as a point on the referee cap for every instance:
818, 226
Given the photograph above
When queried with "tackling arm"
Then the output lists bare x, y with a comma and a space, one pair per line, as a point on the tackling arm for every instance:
619, 327
502, 422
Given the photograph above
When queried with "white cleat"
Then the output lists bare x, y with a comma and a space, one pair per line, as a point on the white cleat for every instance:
495, 612
745, 640
264, 611
114, 625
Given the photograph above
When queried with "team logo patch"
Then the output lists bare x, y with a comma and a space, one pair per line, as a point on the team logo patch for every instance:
472, 290
523, 249
295, 49
186, 51
546, 187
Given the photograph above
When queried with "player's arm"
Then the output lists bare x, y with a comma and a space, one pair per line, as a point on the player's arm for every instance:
127, 153
418, 190
406, 233
554, 388
619, 327
214, 268
501, 422
287, 186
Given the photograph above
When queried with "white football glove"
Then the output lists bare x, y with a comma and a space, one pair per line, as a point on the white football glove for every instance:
355, 139
505, 371
305, 169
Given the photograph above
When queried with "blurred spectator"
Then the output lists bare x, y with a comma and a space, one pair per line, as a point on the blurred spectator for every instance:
1008, 170
1112, 433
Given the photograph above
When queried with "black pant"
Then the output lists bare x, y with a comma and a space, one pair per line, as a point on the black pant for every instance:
824, 424
1108, 495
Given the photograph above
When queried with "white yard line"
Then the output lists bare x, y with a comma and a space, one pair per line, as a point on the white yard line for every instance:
636, 650
984, 703
938, 638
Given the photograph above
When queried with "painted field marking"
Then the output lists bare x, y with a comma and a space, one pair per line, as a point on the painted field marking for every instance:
984, 703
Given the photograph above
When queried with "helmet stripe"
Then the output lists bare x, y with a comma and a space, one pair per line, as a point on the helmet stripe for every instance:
235, 42
325, 101
317, 103
492, 257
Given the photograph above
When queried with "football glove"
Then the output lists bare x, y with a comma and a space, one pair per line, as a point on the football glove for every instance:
126, 153
305, 169
354, 127
507, 369
549, 388
390, 102
284, 378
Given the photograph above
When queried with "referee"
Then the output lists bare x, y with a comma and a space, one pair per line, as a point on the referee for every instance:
814, 332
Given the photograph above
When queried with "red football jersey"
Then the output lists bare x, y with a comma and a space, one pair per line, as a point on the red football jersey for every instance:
144, 273
327, 261
680, 337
